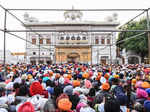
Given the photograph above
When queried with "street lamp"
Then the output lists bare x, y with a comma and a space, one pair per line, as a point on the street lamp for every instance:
97, 55
110, 50
39, 49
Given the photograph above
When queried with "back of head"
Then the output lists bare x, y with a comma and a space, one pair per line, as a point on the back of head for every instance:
120, 95
138, 107
92, 92
57, 90
26, 107
111, 104
23, 90
64, 104
2, 91
49, 83
147, 106
36, 88
16, 85
75, 100
115, 81
49, 106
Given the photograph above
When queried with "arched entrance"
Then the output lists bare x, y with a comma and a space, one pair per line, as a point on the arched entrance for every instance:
133, 60
73, 54
73, 57
103, 60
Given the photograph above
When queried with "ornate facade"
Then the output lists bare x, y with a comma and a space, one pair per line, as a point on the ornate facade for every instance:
72, 44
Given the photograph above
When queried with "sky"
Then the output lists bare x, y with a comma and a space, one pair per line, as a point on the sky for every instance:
15, 45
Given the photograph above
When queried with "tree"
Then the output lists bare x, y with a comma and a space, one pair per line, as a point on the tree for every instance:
138, 44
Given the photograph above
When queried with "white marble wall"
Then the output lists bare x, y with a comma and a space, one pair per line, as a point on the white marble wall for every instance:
97, 50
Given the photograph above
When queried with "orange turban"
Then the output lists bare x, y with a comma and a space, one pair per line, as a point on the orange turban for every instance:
105, 86
64, 104
51, 73
145, 85
106, 76
98, 77
69, 76
57, 76
76, 83
85, 75
133, 81
116, 76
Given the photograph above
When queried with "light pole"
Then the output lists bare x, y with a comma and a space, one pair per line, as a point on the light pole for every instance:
110, 55
110, 50
97, 54
148, 27
5, 19
91, 46
39, 49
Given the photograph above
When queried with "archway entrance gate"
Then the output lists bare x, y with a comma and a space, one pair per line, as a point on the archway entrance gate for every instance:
73, 57
73, 54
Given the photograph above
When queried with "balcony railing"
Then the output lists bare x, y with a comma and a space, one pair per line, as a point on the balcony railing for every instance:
72, 42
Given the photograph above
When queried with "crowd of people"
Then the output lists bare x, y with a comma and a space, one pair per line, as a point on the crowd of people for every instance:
74, 88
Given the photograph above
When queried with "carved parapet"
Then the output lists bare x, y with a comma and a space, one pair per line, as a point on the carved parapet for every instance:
27, 18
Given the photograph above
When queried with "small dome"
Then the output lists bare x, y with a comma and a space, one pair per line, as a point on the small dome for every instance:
72, 15
26, 16
115, 15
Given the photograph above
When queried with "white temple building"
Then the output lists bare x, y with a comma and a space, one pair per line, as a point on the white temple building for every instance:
78, 40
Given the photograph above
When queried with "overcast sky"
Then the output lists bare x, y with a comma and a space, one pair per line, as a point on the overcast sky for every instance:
16, 45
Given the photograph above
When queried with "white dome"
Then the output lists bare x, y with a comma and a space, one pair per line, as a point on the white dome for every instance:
73, 15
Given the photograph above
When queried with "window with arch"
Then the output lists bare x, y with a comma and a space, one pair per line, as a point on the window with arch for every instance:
102, 41
83, 38
73, 38
96, 41
78, 38
61, 38
48, 41
33, 40
67, 38
108, 41
34, 53
41, 40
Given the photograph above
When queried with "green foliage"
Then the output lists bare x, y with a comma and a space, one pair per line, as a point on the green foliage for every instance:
138, 44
